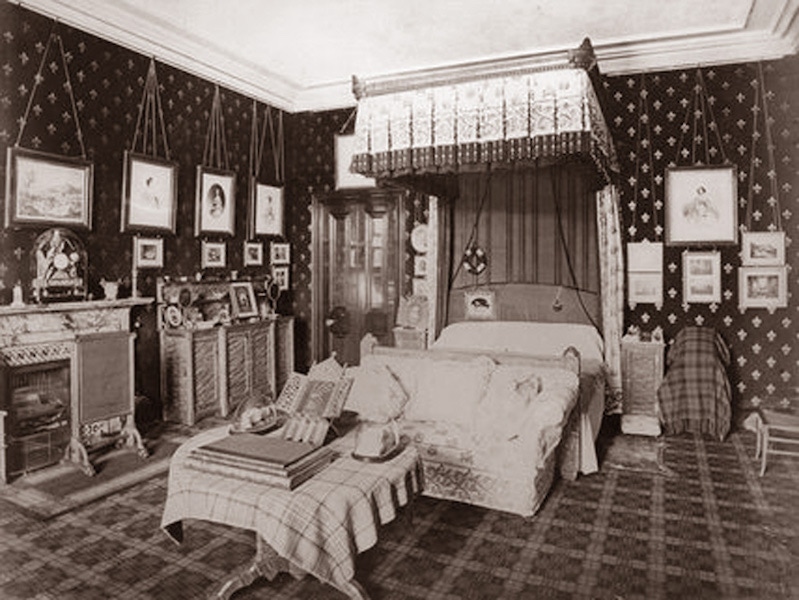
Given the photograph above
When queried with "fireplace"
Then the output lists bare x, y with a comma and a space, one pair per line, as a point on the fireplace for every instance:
66, 383
36, 402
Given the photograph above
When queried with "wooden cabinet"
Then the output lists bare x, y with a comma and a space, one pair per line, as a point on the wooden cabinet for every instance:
284, 351
642, 374
249, 362
191, 379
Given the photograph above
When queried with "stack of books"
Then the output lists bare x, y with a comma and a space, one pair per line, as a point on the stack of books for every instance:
262, 459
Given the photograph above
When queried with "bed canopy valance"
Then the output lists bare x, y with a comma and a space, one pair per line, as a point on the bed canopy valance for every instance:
467, 119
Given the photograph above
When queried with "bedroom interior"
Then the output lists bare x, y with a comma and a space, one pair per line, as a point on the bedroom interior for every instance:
510, 275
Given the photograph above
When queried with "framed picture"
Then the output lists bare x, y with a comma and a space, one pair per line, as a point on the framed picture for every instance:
242, 300
48, 189
216, 202
479, 304
763, 287
644, 287
213, 255
764, 248
279, 253
253, 254
701, 205
266, 209
701, 277
149, 194
280, 275
344, 152
148, 252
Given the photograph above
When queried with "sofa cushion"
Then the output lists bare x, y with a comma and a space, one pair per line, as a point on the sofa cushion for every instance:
376, 395
449, 390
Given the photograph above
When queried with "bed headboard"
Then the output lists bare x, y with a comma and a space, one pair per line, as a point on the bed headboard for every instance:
538, 302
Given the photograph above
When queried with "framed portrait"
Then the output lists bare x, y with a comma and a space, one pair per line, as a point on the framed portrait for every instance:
344, 152
216, 202
266, 209
148, 253
213, 255
48, 189
644, 287
701, 277
763, 287
149, 194
480, 304
701, 205
279, 253
280, 275
253, 254
242, 300
763, 248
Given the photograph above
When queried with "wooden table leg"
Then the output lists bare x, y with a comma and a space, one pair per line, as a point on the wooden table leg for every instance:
266, 563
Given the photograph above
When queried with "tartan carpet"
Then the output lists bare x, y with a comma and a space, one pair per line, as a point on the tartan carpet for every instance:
711, 529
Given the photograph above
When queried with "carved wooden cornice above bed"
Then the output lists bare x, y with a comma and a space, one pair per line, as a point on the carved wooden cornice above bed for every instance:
472, 118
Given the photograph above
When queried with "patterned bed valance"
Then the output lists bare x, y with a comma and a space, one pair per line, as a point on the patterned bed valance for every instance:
466, 122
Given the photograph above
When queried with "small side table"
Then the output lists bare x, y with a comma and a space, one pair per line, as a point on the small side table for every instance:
776, 428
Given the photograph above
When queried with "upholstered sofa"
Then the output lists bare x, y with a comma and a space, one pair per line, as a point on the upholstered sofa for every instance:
490, 426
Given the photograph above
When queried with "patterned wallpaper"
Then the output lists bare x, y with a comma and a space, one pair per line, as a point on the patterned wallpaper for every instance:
646, 114
687, 118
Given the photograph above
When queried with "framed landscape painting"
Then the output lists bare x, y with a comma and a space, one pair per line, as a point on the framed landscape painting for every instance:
763, 287
701, 272
149, 194
48, 189
763, 248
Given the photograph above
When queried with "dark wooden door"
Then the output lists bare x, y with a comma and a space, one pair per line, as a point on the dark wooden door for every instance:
358, 270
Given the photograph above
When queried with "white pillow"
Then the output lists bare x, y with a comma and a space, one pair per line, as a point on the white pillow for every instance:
540, 339
375, 395
449, 390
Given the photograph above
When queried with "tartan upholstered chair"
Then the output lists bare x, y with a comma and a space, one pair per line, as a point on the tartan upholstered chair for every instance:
695, 394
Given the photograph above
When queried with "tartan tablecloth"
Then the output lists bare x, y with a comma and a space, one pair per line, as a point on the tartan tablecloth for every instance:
319, 526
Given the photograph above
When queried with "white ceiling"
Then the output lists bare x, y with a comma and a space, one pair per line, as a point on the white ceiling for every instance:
302, 54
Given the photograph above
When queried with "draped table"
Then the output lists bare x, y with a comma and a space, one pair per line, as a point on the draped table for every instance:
317, 528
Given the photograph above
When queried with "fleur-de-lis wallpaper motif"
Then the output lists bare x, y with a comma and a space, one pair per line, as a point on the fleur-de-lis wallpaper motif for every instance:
108, 80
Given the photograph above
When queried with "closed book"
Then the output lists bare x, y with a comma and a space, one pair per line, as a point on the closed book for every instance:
274, 450
323, 455
255, 475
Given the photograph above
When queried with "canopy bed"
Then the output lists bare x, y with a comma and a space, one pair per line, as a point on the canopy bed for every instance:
527, 241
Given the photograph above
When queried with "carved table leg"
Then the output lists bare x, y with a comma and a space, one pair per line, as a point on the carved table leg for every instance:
131, 438
267, 563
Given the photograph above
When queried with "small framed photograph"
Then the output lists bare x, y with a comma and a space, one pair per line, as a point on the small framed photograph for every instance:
148, 253
480, 304
266, 209
149, 194
644, 287
216, 202
213, 255
763, 248
242, 300
345, 178
280, 253
763, 287
701, 276
48, 189
280, 275
253, 254
701, 205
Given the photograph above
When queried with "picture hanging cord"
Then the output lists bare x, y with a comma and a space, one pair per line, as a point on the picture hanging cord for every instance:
762, 96
700, 106
257, 143
348, 121
215, 150
473, 233
151, 108
276, 140
38, 78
